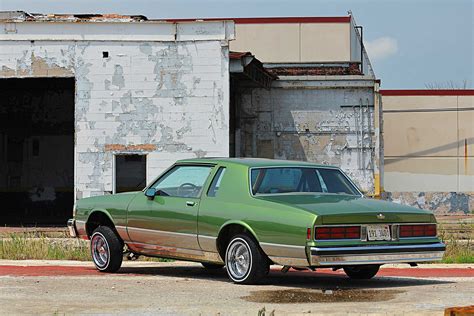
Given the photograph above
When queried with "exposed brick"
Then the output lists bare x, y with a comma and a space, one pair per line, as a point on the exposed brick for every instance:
140, 147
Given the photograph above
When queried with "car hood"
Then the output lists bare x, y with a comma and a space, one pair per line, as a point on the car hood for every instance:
348, 209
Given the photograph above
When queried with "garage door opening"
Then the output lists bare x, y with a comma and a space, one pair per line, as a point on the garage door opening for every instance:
36, 151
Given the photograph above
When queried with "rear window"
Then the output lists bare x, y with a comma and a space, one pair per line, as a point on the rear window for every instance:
300, 179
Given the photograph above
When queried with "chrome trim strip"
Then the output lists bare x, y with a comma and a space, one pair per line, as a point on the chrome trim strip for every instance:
371, 248
81, 228
285, 251
376, 258
72, 227
160, 231
208, 243
363, 233
122, 231
163, 238
208, 237
377, 254
395, 231
287, 261
282, 245
175, 252
421, 237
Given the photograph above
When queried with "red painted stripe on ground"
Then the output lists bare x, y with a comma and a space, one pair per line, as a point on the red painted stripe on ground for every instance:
8, 270
47, 271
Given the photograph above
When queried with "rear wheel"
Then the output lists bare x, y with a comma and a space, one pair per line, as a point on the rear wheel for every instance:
244, 260
106, 249
362, 272
212, 266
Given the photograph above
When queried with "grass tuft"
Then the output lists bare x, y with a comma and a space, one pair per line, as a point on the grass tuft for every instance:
39, 246
22, 246
459, 243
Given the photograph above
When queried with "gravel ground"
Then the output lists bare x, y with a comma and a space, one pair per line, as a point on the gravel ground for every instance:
181, 288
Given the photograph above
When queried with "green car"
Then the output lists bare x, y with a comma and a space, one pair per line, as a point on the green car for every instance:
247, 214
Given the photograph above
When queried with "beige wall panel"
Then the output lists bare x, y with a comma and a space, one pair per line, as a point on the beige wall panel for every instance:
325, 42
268, 42
421, 174
466, 174
466, 133
466, 101
420, 134
419, 102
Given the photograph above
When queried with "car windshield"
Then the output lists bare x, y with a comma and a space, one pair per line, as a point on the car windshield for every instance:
300, 179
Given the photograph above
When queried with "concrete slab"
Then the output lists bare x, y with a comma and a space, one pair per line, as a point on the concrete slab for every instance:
182, 288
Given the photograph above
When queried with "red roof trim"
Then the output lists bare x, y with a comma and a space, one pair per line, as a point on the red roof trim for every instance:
321, 19
426, 92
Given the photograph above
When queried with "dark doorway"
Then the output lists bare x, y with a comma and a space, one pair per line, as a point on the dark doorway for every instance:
36, 151
130, 173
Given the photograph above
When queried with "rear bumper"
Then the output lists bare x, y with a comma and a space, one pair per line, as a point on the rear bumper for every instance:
338, 256
71, 225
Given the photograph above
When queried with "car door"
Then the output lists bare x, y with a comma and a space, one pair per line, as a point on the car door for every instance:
170, 218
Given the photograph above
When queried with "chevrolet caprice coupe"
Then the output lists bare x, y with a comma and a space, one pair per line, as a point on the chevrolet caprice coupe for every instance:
248, 214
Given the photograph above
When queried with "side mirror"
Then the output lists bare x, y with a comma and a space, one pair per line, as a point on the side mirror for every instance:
150, 193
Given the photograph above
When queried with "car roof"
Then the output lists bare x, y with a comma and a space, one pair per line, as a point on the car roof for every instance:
253, 162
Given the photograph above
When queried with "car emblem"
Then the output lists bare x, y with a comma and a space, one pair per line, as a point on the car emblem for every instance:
380, 216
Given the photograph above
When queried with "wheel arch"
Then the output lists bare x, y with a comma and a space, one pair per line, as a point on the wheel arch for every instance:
99, 217
230, 229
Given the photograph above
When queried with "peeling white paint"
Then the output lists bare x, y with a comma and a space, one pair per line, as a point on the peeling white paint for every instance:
173, 95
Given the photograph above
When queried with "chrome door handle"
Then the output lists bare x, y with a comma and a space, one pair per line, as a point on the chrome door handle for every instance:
190, 203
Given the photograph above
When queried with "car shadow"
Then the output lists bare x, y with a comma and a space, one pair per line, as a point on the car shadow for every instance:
297, 279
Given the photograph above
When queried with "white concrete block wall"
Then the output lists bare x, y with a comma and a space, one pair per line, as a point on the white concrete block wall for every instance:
168, 100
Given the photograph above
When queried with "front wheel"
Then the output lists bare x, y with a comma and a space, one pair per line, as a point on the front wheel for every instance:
106, 249
362, 272
244, 260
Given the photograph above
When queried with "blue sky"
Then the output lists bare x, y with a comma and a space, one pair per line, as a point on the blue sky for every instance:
411, 43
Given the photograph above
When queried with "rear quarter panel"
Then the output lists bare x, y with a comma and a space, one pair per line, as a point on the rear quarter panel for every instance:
270, 222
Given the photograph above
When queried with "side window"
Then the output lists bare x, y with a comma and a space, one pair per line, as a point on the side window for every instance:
183, 181
216, 182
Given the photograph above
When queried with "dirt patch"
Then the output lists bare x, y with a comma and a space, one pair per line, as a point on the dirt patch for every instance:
320, 296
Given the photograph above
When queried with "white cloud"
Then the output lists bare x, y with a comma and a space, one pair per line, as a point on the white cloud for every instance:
382, 47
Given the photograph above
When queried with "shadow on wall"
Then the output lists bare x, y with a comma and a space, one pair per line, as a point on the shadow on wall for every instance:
463, 143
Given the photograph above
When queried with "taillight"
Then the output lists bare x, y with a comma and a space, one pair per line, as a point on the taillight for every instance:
337, 232
308, 234
417, 231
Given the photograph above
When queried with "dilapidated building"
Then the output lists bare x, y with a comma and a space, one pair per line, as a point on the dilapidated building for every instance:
97, 104
322, 104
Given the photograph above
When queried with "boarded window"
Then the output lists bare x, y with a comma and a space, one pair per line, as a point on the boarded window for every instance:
130, 173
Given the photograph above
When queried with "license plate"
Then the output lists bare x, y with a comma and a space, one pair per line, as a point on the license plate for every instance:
378, 232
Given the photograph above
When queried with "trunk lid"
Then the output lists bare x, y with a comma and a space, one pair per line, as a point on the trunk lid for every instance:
348, 209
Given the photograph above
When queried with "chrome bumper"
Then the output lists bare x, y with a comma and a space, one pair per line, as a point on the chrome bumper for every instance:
338, 256
71, 225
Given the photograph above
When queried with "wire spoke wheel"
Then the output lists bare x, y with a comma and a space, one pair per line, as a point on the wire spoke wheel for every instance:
239, 259
106, 249
100, 250
245, 261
